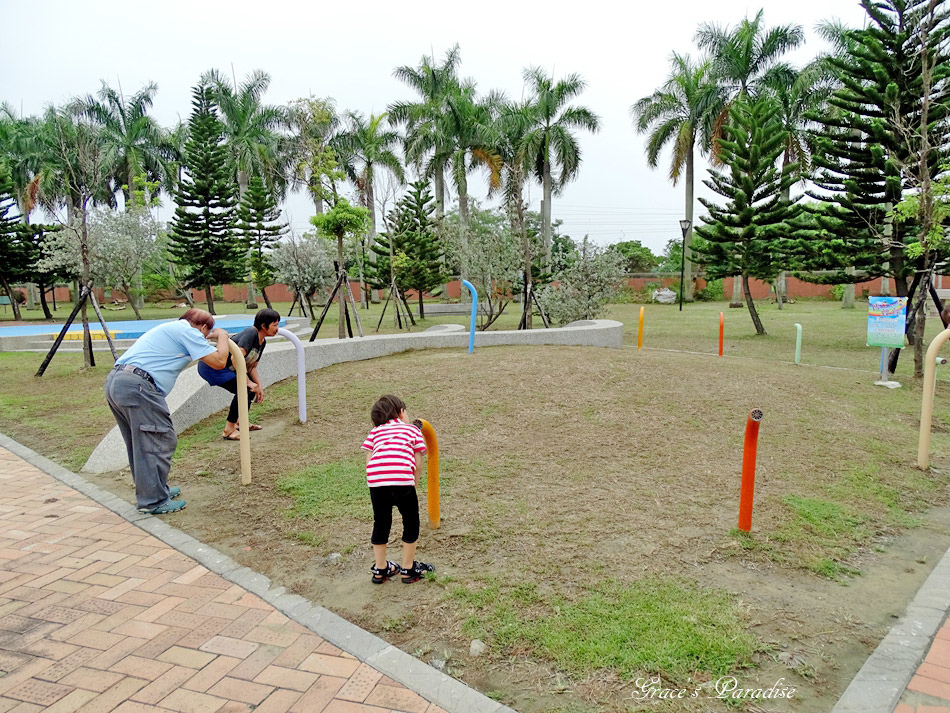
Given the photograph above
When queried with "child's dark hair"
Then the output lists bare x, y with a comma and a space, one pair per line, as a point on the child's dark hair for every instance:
386, 409
265, 317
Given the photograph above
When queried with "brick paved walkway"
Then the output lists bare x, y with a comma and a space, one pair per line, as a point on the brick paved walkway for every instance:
96, 615
929, 690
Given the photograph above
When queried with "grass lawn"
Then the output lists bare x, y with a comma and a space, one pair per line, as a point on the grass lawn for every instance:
589, 504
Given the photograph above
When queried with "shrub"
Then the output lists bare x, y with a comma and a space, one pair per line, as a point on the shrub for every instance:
582, 289
837, 292
711, 292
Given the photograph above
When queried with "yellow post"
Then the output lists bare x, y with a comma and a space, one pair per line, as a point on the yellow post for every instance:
240, 368
640, 331
432, 473
927, 404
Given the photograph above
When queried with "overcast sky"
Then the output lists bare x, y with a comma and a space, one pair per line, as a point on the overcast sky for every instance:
52, 51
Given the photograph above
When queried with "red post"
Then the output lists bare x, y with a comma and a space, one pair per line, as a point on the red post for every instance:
722, 326
748, 469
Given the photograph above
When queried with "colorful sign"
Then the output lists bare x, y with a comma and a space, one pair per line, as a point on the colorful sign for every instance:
886, 318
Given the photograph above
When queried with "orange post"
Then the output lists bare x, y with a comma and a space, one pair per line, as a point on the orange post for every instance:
748, 469
640, 331
432, 473
722, 327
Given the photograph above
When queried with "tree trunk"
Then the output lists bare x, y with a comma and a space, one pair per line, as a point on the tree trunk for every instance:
315, 193
88, 359
847, 297
13, 303
341, 294
127, 290
687, 285
266, 298
780, 289
438, 181
422, 311
251, 299
736, 300
546, 212
209, 298
759, 329
136, 298
46, 312
526, 249
463, 226
371, 237
30, 297
309, 305
918, 310
439, 184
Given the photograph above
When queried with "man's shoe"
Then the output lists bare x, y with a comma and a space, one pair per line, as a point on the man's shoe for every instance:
169, 507
174, 492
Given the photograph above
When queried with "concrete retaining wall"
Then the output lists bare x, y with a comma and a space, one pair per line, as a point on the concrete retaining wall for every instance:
193, 399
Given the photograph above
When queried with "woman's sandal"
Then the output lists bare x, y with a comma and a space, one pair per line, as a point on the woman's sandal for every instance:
381, 575
416, 572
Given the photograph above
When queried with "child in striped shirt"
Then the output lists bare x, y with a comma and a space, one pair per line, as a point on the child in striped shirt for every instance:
394, 451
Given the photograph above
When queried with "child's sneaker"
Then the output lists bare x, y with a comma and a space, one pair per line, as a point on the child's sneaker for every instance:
381, 575
416, 572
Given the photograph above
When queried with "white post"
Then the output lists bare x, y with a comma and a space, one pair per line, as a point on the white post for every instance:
301, 373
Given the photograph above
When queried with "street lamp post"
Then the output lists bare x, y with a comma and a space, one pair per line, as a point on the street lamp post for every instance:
684, 226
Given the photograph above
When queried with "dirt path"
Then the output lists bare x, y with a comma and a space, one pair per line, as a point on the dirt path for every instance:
585, 466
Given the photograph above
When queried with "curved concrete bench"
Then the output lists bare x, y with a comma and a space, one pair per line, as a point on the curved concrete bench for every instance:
193, 399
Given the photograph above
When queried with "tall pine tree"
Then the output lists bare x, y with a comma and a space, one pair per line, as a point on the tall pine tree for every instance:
749, 235
14, 249
204, 240
410, 252
864, 144
259, 221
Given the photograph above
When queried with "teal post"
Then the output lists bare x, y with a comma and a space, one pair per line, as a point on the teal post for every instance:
471, 330
798, 343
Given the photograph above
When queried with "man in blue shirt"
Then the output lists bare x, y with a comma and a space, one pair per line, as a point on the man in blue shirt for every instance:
136, 389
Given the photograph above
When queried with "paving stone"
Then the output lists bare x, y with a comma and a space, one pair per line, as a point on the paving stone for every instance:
125, 624
318, 695
191, 702
42, 693
281, 677
230, 647
91, 679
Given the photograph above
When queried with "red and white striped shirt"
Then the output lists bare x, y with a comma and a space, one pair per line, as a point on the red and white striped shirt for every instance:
393, 445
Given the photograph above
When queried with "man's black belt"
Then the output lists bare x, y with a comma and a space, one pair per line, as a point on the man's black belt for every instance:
138, 372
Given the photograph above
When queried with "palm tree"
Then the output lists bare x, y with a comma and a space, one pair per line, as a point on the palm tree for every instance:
681, 113
79, 176
550, 141
133, 143
434, 83
313, 123
515, 121
23, 149
364, 146
748, 56
469, 126
745, 60
251, 128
